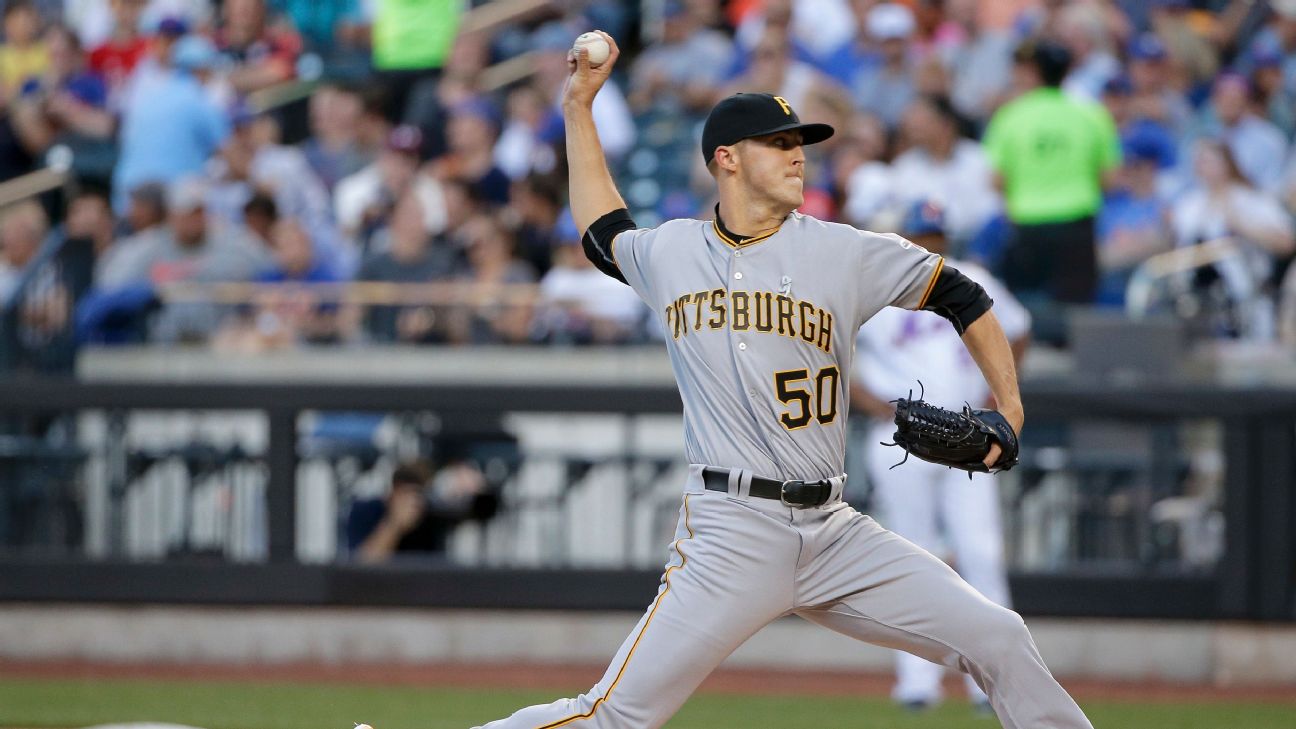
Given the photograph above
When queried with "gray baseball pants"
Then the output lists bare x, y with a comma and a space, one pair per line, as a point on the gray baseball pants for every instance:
737, 564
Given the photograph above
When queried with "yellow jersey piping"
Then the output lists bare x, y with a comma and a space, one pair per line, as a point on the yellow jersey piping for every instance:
735, 244
635, 645
940, 265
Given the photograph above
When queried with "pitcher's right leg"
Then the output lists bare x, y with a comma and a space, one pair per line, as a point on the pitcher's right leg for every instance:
730, 574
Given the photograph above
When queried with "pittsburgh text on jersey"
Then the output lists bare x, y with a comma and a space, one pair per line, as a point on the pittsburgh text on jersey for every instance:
742, 311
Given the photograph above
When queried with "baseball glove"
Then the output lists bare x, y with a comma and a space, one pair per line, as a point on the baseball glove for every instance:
954, 439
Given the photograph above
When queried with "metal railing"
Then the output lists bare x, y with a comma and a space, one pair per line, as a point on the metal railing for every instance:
1170, 281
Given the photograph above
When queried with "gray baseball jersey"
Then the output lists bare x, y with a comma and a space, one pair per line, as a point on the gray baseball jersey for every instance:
760, 334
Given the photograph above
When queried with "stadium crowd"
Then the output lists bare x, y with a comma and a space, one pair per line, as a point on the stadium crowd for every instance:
356, 144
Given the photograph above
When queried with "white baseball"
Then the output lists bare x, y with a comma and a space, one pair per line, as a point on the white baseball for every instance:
363, 726
594, 44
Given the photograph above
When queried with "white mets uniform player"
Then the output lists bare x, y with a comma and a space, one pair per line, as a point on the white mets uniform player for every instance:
936, 508
761, 306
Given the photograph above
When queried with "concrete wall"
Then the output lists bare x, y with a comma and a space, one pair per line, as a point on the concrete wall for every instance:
1175, 652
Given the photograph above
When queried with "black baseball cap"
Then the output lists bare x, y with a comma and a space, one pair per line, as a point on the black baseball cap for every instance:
743, 116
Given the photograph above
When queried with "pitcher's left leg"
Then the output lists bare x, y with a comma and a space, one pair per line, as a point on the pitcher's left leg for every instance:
970, 511
873, 585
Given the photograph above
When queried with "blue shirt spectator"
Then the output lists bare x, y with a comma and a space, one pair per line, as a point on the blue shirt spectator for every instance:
1258, 146
318, 21
170, 127
1134, 223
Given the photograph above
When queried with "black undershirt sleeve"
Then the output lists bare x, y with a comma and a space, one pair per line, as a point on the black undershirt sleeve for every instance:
957, 298
598, 241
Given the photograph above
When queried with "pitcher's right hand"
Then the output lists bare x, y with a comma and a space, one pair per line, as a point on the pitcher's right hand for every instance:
584, 81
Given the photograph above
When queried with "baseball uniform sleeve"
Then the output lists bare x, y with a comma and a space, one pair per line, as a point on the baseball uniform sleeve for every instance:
632, 253
905, 273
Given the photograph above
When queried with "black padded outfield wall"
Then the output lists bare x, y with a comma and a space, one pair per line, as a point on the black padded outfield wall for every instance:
1135, 553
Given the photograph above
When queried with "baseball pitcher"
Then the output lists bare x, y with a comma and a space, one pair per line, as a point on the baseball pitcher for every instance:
761, 305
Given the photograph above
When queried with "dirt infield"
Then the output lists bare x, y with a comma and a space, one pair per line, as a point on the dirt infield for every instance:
567, 677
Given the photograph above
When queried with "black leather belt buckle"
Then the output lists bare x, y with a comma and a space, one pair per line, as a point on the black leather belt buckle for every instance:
805, 494
792, 486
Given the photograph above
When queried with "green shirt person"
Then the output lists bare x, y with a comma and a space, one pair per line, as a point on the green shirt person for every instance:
1051, 154
411, 35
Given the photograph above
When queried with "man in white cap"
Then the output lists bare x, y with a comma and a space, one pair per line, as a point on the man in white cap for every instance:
887, 87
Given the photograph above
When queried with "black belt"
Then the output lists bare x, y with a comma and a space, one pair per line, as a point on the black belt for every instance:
792, 493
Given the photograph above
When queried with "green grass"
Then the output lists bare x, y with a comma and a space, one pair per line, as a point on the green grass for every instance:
237, 705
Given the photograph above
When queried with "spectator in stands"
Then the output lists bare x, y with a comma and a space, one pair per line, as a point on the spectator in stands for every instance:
189, 250
49, 279
1196, 61
1134, 223
115, 59
536, 203
419, 512
373, 127
156, 61
284, 172
364, 202
886, 89
944, 167
817, 30
90, 218
326, 26
578, 306
1125, 110
775, 70
1274, 99
23, 227
1277, 40
260, 213
1152, 97
459, 82
1051, 155
471, 134
866, 176
681, 71
333, 148
1256, 144
1225, 204
146, 209
532, 132
407, 254
146, 219
980, 63
1084, 34
229, 173
495, 307
23, 55
68, 106
169, 126
280, 318
295, 258
262, 55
